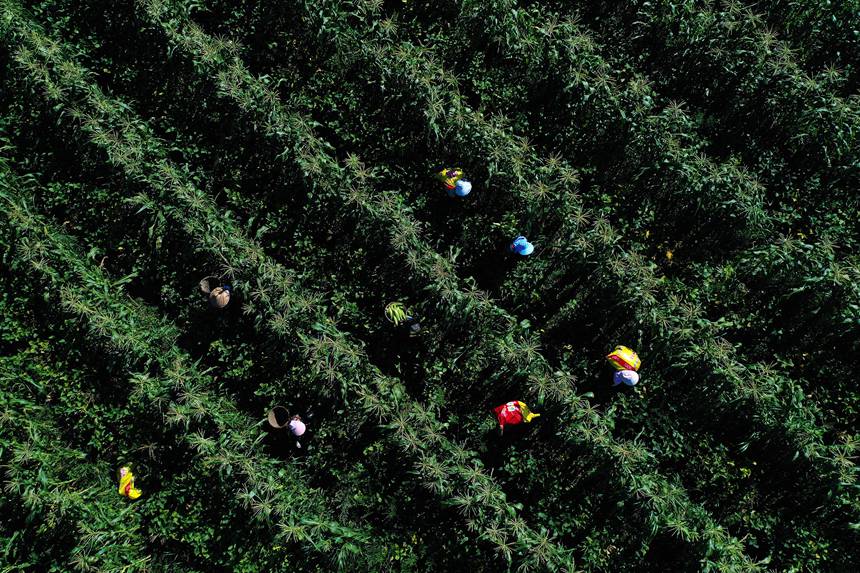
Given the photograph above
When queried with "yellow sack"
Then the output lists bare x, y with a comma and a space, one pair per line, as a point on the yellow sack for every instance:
528, 416
449, 176
622, 358
126, 483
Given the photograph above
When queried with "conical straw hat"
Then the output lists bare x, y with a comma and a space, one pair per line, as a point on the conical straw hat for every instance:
219, 297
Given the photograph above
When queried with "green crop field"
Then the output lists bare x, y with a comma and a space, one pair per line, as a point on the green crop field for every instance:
215, 216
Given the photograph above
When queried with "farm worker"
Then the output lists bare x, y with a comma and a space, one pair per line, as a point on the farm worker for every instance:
396, 312
622, 358
628, 377
521, 246
455, 184
220, 297
126, 483
412, 326
513, 413
298, 428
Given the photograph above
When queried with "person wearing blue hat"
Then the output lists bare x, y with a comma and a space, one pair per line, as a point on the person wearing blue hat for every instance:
461, 189
521, 246
456, 185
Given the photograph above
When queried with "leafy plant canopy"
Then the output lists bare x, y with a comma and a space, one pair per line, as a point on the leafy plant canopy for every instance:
285, 264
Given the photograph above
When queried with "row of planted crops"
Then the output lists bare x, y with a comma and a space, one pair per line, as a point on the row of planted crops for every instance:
687, 171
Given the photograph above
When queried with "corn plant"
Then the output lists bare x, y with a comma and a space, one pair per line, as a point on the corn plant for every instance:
61, 487
774, 398
458, 474
405, 238
822, 33
222, 437
764, 93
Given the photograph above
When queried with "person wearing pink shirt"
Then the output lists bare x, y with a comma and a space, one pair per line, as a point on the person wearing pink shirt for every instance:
297, 427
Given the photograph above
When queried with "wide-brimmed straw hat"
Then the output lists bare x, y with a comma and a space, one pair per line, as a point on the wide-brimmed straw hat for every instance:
219, 297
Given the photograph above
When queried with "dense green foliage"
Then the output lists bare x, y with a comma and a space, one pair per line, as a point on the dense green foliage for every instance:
688, 172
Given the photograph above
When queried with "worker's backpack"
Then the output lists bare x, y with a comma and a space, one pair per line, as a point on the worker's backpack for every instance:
449, 176
622, 358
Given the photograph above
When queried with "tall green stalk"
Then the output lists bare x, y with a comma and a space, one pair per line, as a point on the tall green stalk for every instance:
170, 382
255, 98
280, 302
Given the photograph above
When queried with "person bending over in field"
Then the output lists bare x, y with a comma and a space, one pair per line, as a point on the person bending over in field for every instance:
455, 182
513, 413
626, 363
521, 246
298, 428
126, 483
219, 297
395, 312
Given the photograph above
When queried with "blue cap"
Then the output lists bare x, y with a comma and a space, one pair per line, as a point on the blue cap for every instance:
522, 246
462, 188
